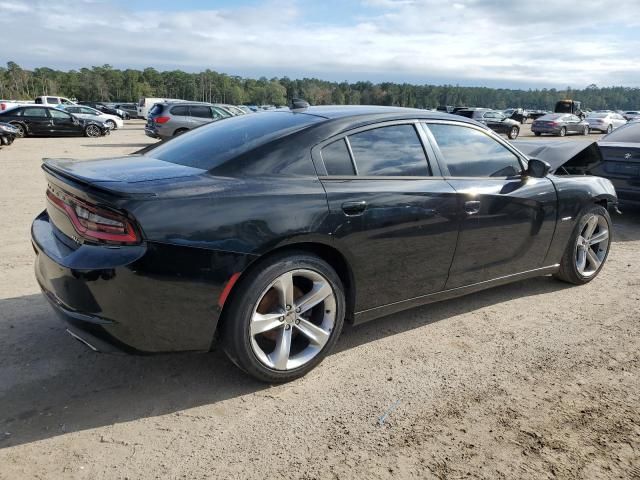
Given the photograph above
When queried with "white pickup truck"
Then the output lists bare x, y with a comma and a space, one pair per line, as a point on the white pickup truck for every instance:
50, 100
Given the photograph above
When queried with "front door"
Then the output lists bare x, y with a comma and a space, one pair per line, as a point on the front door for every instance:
393, 213
63, 123
507, 220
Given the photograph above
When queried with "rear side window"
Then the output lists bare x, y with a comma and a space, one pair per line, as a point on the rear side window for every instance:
471, 153
336, 158
213, 144
35, 112
200, 111
59, 114
180, 111
389, 151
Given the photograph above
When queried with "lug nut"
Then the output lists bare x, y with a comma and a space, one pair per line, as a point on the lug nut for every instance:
297, 321
287, 327
288, 307
298, 310
281, 319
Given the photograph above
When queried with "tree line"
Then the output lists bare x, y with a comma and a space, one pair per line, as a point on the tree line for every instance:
109, 84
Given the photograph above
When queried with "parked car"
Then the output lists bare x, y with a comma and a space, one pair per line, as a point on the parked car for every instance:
8, 133
42, 120
53, 100
570, 106
493, 119
559, 124
106, 109
535, 114
130, 109
82, 111
620, 151
631, 115
520, 115
605, 122
267, 231
166, 120
145, 104
445, 108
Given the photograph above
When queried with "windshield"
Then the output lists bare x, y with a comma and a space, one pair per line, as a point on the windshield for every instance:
215, 143
629, 133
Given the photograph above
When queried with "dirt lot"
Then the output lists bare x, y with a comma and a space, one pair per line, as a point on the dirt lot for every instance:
532, 380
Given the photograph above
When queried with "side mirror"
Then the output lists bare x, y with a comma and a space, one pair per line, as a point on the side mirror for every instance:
537, 168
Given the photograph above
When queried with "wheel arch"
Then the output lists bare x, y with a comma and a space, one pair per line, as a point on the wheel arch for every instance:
329, 253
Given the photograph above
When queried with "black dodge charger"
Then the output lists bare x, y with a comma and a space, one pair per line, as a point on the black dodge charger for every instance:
266, 232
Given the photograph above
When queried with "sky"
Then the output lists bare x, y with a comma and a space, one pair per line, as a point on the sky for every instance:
495, 43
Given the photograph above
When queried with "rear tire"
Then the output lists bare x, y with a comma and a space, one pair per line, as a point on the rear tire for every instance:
273, 343
563, 132
588, 247
610, 128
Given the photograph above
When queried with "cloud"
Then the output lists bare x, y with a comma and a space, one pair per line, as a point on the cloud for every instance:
541, 43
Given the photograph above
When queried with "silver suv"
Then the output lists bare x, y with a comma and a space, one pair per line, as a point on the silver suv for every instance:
168, 119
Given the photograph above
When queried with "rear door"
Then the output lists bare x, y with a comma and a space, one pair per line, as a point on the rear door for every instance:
200, 115
506, 220
390, 209
574, 124
63, 123
37, 120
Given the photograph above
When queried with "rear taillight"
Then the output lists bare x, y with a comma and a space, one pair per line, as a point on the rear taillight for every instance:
95, 223
162, 119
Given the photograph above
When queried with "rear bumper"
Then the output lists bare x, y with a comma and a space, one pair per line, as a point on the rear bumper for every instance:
554, 131
147, 298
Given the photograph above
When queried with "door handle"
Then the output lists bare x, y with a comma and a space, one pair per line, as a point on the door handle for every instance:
472, 207
354, 208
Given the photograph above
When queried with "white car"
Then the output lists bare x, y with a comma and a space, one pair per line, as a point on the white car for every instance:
86, 112
605, 121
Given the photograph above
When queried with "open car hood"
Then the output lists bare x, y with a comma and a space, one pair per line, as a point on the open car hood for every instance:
568, 156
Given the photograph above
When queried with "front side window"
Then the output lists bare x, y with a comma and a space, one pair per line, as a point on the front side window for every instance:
35, 112
471, 153
336, 158
200, 111
389, 151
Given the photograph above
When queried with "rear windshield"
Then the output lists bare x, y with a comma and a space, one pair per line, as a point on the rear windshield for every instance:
156, 109
465, 113
626, 133
551, 117
213, 144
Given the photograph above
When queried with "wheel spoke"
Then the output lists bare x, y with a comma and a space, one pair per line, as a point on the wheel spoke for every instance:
318, 293
284, 286
314, 333
593, 259
581, 263
599, 237
590, 227
280, 355
261, 323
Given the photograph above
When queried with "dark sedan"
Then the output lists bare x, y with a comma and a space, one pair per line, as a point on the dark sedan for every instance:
560, 124
47, 121
496, 121
269, 231
106, 109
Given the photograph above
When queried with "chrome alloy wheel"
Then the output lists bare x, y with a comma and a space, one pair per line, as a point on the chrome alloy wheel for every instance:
592, 245
293, 319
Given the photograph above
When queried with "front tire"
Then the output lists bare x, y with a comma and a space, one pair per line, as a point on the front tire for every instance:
112, 124
92, 131
513, 133
537, 134
588, 247
585, 131
284, 317
22, 132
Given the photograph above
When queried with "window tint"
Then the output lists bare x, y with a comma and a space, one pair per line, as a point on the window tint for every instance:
336, 158
52, 100
200, 111
213, 144
58, 114
471, 153
626, 133
35, 112
182, 110
389, 151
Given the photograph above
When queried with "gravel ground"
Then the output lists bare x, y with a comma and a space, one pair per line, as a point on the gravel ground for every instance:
537, 379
